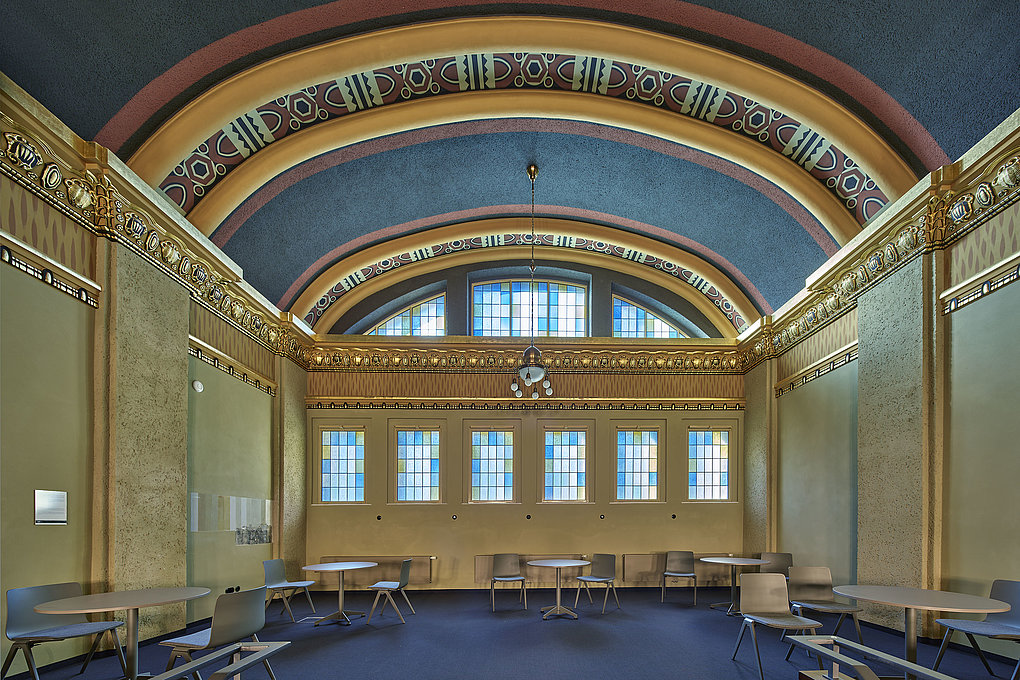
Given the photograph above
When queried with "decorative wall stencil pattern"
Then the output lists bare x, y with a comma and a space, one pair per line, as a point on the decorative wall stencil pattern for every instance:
701, 285
830, 338
983, 248
215, 332
228, 147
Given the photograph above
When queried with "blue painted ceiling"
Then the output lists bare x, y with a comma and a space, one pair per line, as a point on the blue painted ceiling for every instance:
951, 66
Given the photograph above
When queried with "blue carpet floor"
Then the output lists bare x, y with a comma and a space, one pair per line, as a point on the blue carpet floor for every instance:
454, 635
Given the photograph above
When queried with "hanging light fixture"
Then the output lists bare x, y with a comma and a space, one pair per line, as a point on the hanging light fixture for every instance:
532, 377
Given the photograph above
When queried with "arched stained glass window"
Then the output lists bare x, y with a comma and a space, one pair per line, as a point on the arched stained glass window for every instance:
422, 318
634, 321
506, 308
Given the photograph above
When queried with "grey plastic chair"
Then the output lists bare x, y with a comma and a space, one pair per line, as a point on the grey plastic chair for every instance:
27, 628
779, 563
1001, 626
765, 600
679, 564
387, 587
811, 588
277, 584
603, 570
236, 616
506, 568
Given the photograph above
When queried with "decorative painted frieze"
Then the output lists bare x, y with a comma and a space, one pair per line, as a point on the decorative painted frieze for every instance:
519, 405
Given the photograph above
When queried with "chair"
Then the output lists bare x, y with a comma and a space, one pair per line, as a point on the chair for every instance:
603, 570
679, 564
1000, 626
236, 616
506, 568
764, 600
811, 588
277, 584
779, 563
27, 628
387, 587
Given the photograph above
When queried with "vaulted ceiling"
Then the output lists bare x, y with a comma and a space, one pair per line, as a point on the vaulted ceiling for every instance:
724, 149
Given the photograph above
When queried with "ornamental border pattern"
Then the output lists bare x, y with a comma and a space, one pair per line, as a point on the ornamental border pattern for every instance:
246, 135
97, 205
550, 405
230, 370
947, 217
818, 371
701, 285
47, 276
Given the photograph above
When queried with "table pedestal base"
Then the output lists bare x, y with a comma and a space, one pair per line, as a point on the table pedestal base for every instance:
557, 610
341, 617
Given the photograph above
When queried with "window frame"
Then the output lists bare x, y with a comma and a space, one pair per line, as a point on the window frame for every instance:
396, 426
733, 460
514, 426
318, 425
614, 296
417, 303
585, 287
657, 426
588, 427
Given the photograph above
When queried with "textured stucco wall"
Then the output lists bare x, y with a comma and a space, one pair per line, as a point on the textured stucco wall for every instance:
758, 391
891, 436
293, 479
817, 475
149, 381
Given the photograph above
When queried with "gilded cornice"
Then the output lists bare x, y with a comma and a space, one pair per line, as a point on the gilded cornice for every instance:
326, 403
464, 355
93, 188
956, 201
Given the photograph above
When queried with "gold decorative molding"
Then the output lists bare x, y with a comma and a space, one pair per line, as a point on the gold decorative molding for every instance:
835, 360
30, 261
489, 355
94, 189
200, 350
494, 404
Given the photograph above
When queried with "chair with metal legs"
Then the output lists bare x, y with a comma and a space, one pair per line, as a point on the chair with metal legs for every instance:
765, 600
236, 616
277, 584
778, 563
387, 587
679, 564
506, 568
603, 570
1002, 626
811, 588
26, 628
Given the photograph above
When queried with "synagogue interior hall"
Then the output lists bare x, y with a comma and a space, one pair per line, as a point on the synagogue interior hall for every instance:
440, 280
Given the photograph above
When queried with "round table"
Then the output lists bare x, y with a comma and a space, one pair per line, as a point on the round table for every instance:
341, 615
558, 609
734, 562
913, 599
128, 600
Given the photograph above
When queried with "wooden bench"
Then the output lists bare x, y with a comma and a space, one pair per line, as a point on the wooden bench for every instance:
844, 666
257, 653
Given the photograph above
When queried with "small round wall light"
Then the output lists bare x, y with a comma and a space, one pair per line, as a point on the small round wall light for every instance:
527, 517
378, 516
197, 385
454, 516
602, 516
674, 515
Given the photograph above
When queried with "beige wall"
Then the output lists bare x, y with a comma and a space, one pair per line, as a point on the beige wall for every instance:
981, 537
229, 455
817, 477
45, 439
480, 529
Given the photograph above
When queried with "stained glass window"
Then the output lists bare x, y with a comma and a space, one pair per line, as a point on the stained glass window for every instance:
637, 465
343, 465
565, 466
492, 466
708, 454
505, 308
417, 465
634, 321
423, 318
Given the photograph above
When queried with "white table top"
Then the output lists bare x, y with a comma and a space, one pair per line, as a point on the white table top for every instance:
558, 563
734, 561
120, 599
922, 598
339, 566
